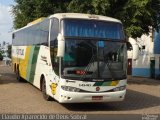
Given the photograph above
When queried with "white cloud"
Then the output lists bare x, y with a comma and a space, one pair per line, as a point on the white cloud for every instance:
6, 23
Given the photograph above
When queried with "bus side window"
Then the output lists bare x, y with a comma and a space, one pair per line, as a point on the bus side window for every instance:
54, 45
54, 29
54, 58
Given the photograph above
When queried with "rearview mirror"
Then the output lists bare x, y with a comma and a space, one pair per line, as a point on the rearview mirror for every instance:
61, 45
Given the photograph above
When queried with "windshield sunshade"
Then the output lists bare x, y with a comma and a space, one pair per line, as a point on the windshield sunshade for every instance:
92, 28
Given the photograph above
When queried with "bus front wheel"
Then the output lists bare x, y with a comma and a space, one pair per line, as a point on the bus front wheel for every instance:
45, 96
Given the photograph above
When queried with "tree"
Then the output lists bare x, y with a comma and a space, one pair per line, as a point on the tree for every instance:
137, 16
26, 11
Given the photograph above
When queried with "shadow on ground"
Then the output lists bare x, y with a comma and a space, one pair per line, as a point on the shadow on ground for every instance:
6, 78
134, 100
143, 81
7, 75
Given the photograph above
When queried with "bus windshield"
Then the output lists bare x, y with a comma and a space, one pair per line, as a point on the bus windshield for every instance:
92, 28
94, 59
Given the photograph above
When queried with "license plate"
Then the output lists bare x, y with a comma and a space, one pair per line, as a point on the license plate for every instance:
97, 97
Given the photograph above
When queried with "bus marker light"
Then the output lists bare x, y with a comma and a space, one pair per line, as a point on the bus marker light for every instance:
80, 72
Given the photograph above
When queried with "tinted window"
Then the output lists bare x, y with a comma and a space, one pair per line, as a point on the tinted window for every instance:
35, 34
54, 29
53, 45
92, 28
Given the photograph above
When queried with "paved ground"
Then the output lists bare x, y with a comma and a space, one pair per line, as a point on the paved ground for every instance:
143, 97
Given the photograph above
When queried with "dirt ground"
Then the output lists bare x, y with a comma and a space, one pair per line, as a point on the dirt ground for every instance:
143, 97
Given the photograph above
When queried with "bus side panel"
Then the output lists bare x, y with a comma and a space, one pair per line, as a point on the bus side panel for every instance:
24, 63
32, 62
25, 57
20, 59
14, 58
43, 66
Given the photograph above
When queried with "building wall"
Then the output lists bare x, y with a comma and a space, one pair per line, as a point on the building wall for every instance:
141, 66
157, 68
156, 43
144, 66
157, 52
148, 63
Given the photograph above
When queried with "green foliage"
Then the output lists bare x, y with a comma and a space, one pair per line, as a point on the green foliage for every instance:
26, 11
80, 6
137, 16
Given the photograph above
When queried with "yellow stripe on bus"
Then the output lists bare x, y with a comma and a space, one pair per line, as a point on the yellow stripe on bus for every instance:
114, 83
25, 63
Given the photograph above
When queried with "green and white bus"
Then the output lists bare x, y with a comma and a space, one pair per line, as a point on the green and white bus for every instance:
73, 57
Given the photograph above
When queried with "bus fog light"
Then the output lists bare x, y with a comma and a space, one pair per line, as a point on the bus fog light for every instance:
71, 89
119, 88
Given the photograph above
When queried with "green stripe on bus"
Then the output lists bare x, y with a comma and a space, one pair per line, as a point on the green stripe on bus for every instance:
34, 63
103, 83
107, 83
98, 84
30, 63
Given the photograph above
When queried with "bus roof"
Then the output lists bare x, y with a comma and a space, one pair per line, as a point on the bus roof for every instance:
39, 20
70, 15
84, 16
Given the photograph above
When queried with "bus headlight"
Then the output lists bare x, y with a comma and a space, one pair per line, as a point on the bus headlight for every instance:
71, 89
119, 88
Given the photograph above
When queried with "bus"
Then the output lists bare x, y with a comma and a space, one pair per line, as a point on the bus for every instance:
73, 57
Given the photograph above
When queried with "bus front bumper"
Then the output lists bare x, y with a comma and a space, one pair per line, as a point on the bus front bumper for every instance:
76, 97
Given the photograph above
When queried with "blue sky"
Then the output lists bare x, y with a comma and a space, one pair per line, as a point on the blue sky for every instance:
6, 20
7, 2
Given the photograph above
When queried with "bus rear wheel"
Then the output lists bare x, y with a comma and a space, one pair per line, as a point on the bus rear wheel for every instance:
45, 96
18, 76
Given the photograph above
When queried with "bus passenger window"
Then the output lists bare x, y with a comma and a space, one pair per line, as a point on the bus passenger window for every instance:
54, 58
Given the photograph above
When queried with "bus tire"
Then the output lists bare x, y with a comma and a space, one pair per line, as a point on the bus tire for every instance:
45, 96
18, 75
15, 68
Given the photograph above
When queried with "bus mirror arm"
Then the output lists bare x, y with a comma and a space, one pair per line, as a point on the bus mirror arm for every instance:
61, 45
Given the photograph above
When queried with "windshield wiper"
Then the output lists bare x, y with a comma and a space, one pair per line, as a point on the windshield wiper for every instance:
91, 60
109, 68
88, 67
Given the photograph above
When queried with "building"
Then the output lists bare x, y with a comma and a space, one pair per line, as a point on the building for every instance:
148, 62
4, 49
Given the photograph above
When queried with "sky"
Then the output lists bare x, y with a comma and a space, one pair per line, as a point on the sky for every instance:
6, 21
